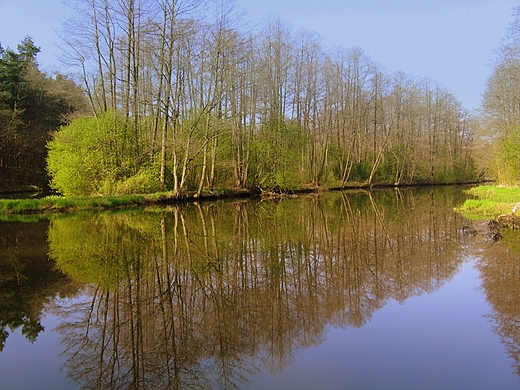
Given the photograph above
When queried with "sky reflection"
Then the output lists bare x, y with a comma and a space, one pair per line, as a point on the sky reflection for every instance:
433, 341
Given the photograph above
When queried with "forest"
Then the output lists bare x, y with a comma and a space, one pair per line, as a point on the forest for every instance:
32, 106
183, 96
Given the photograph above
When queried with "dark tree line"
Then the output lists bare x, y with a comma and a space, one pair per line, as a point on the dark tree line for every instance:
32, 106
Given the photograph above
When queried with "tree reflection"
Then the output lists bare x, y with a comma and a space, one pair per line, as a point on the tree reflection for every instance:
28, 280
204, 295
500, 273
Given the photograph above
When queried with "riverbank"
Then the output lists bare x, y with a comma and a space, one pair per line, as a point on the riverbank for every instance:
60, 204
490, 202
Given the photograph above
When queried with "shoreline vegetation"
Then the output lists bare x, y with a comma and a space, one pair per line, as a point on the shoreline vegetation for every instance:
61, 204
268, 110
498, 204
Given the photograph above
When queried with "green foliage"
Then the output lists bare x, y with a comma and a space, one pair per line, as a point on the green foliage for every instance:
453, 169
360, 171
27, 50
60, 203
278, 155
32, 106
22, 217
497, 193
480, 209
11, 76
508, 158
89, 257
490, 201
90, 155
146, 181
398, 165
444, 174
466, 171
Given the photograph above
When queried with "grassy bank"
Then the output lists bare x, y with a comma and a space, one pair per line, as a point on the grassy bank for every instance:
489, 202
61, 204
57, 204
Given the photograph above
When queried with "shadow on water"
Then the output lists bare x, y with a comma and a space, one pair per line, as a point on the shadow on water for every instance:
204, 295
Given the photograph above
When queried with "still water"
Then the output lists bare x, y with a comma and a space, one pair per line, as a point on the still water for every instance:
356, 290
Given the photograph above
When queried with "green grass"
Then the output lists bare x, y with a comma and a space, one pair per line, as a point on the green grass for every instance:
489, 202
57, 204
497, 193
63, 204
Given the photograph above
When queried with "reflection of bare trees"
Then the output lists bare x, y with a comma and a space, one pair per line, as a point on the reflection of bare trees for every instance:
201, 296
500, 272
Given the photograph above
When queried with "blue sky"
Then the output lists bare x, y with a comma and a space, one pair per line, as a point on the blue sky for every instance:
451, 41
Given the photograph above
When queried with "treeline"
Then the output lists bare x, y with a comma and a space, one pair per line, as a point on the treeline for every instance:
501, 108
32, 106
198, 101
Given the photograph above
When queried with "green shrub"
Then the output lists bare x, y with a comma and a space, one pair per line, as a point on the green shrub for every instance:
146, 181
90, 155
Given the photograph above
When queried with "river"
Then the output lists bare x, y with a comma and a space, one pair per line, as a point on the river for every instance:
389, 289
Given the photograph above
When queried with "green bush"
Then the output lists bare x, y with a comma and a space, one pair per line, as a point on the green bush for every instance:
277, 152
146, 181
360, 171
90, 155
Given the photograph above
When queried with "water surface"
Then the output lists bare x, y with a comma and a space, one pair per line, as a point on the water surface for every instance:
364, 290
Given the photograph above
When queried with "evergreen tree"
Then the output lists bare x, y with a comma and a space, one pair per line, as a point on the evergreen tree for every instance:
32, 106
